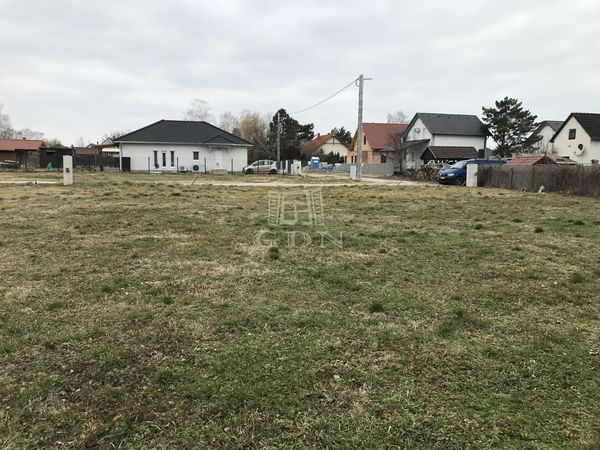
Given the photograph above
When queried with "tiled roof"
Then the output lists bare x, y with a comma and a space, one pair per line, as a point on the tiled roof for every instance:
554, 124
10, 145
451, 124
530, 160
182, 132
314, 145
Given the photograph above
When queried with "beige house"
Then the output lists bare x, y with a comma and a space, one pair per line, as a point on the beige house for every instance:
579, 138
324, 145
376, 137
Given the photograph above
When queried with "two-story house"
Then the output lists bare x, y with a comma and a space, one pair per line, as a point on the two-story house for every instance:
579, 138
440, 137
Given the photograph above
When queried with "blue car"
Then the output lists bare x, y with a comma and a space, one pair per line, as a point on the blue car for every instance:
457, 173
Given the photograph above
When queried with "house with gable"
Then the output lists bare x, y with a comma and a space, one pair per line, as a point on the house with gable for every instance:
579, 138
325, 144
181, 146
440, 137
545, 132
376, 137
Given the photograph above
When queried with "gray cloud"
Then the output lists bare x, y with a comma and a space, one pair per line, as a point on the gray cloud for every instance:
83, 68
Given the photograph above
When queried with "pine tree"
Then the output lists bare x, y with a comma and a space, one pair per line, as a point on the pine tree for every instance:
343, 135
509, 125
293, 136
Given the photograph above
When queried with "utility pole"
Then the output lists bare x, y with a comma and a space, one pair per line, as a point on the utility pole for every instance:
359, 136
278, 137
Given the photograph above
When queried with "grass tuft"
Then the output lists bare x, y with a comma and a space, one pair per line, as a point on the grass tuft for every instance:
376, 307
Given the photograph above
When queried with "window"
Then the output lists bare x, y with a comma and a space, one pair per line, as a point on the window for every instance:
155, 158
172, 158
164, 159
572, 133
364, 140
196, 156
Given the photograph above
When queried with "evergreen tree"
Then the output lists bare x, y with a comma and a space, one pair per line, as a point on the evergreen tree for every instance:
343, 135
509, 125
293, 136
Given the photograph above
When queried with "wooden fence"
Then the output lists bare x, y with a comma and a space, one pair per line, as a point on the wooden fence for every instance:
577, 180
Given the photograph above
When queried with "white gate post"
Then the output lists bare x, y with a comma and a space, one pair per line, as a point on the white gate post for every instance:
67, 170
472, 170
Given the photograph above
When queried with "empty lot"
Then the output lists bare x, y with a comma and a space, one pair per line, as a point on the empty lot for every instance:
138, 311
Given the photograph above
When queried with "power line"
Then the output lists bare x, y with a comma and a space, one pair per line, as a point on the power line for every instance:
324, 100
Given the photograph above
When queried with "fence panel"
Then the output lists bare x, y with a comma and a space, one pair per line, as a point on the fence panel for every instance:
577, 180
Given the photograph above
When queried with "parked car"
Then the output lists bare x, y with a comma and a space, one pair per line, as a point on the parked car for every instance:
457, 173
261, 166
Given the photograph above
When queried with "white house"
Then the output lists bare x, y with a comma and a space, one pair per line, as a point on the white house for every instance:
325, 144
546, 131
579, 138
441, 134
177, 146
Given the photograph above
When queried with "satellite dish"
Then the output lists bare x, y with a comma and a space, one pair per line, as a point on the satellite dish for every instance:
580, 150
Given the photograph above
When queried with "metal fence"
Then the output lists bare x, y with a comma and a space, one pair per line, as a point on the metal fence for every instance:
577, 180
383, 169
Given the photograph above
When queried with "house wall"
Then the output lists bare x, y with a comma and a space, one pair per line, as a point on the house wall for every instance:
7, 156
369, 156
458, 141
217, 157
544, 145
423, 133
412, 159
334, 146
564, 146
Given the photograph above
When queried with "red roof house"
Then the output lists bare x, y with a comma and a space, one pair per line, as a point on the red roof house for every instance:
324, 144
376, 137
23, 151
530, 160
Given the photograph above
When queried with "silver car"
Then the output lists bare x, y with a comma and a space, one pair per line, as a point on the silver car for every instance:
261, 166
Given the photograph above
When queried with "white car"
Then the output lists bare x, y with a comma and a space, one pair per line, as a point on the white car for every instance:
261, 166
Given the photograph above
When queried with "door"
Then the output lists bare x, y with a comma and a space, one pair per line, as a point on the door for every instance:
219, 163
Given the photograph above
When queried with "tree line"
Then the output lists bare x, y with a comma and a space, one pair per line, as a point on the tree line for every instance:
508, 123
261, 130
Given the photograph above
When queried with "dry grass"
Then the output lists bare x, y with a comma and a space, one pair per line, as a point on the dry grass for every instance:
136, 311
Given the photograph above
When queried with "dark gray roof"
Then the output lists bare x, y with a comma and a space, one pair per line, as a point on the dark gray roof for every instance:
451, 124
590, 122
182, 132
554, 124
446, 152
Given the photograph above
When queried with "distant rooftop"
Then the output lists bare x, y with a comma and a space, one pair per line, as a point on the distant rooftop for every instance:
182, 132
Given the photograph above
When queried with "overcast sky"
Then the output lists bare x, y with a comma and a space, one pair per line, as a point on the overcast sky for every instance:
83, 68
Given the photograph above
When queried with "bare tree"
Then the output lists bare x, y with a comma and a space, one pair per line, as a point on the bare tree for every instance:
80, 142
254, 128
199, 110
6, 129
397, 117
228, 122
109, 137
52, 143
28, 133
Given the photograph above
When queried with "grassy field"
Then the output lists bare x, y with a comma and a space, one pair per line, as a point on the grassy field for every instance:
137, 312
